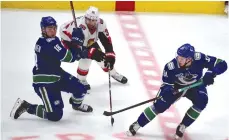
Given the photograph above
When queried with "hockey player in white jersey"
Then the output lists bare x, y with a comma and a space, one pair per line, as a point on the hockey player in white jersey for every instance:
94, 29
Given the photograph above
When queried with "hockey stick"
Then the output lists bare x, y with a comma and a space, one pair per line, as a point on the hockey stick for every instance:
73, 13
198, 83
106, 113
112, 119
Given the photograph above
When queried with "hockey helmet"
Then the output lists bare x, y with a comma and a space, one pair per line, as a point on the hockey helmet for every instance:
92, 13
186, 51
47, 21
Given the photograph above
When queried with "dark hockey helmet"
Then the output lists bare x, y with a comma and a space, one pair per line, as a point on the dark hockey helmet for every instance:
186, 51
47, 21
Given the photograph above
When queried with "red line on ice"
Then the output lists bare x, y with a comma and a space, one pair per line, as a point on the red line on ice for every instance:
148, 68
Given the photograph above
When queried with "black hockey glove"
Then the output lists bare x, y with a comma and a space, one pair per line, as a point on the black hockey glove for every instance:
78, 36
208, 78
96, 54
109, 59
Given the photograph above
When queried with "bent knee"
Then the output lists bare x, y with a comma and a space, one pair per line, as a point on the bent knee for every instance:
202, 101
160, 105
55, 116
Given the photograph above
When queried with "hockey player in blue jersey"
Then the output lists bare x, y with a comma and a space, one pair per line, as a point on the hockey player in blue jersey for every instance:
49, 79
185, 69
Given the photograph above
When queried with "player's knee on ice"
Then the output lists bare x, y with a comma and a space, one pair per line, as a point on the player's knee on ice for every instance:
55, 116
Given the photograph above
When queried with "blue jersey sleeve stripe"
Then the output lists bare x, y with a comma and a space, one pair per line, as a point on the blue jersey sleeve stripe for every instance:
217, 61
68, 57
168, 84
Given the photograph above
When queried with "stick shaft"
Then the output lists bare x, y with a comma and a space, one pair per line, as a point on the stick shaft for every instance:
130, 107
110, 90
73, 13
200, 82
112, 119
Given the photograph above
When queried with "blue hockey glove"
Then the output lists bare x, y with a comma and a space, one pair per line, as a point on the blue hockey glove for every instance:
208, 78
78, 36
168, 93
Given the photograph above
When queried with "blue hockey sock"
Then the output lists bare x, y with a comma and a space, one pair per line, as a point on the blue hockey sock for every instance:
148, 115
77, 101
190, 116
37, 110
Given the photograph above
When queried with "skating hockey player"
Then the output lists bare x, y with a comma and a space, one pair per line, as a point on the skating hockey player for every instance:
183, 70
94, 29
49, 79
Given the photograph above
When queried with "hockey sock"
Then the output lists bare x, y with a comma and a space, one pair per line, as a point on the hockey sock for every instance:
148, 115
77, 101
190, 116
37, 110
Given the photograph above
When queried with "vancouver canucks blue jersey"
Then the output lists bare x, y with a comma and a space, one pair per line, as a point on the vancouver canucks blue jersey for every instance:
173, 74
49, 53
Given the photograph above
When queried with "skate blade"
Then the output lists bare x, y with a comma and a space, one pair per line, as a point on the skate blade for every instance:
177, 137
16, 105
128, 133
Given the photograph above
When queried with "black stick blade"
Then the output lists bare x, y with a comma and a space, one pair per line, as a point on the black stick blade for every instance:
106, 113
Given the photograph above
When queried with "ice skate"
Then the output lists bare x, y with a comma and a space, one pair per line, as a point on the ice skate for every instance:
180, 132
19, 108
120, 78
133, 129
82, 107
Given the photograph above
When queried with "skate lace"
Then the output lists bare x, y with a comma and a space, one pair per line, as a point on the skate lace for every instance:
84, 82
182, 128
136, 126
84, 107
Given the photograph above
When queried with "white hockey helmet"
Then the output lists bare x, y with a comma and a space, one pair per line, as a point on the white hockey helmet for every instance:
92, 13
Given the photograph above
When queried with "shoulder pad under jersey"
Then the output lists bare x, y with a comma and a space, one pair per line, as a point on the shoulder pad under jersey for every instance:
171, 65
197, 56
41, 41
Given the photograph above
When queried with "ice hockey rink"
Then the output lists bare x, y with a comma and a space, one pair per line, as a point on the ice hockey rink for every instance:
143, 44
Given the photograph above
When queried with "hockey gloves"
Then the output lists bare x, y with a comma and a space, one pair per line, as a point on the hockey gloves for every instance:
96, 54
78, 36
109, 60
208, 78
168, 93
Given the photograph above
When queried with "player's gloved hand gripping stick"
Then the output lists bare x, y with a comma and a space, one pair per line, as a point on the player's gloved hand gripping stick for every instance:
106, 113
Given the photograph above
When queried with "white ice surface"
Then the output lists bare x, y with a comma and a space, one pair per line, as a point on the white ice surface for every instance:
165, 33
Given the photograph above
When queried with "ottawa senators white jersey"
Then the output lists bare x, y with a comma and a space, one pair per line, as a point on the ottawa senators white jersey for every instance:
90, 36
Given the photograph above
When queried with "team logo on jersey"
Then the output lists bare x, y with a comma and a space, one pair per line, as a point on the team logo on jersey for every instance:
187, 78
57, 102
90, 42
